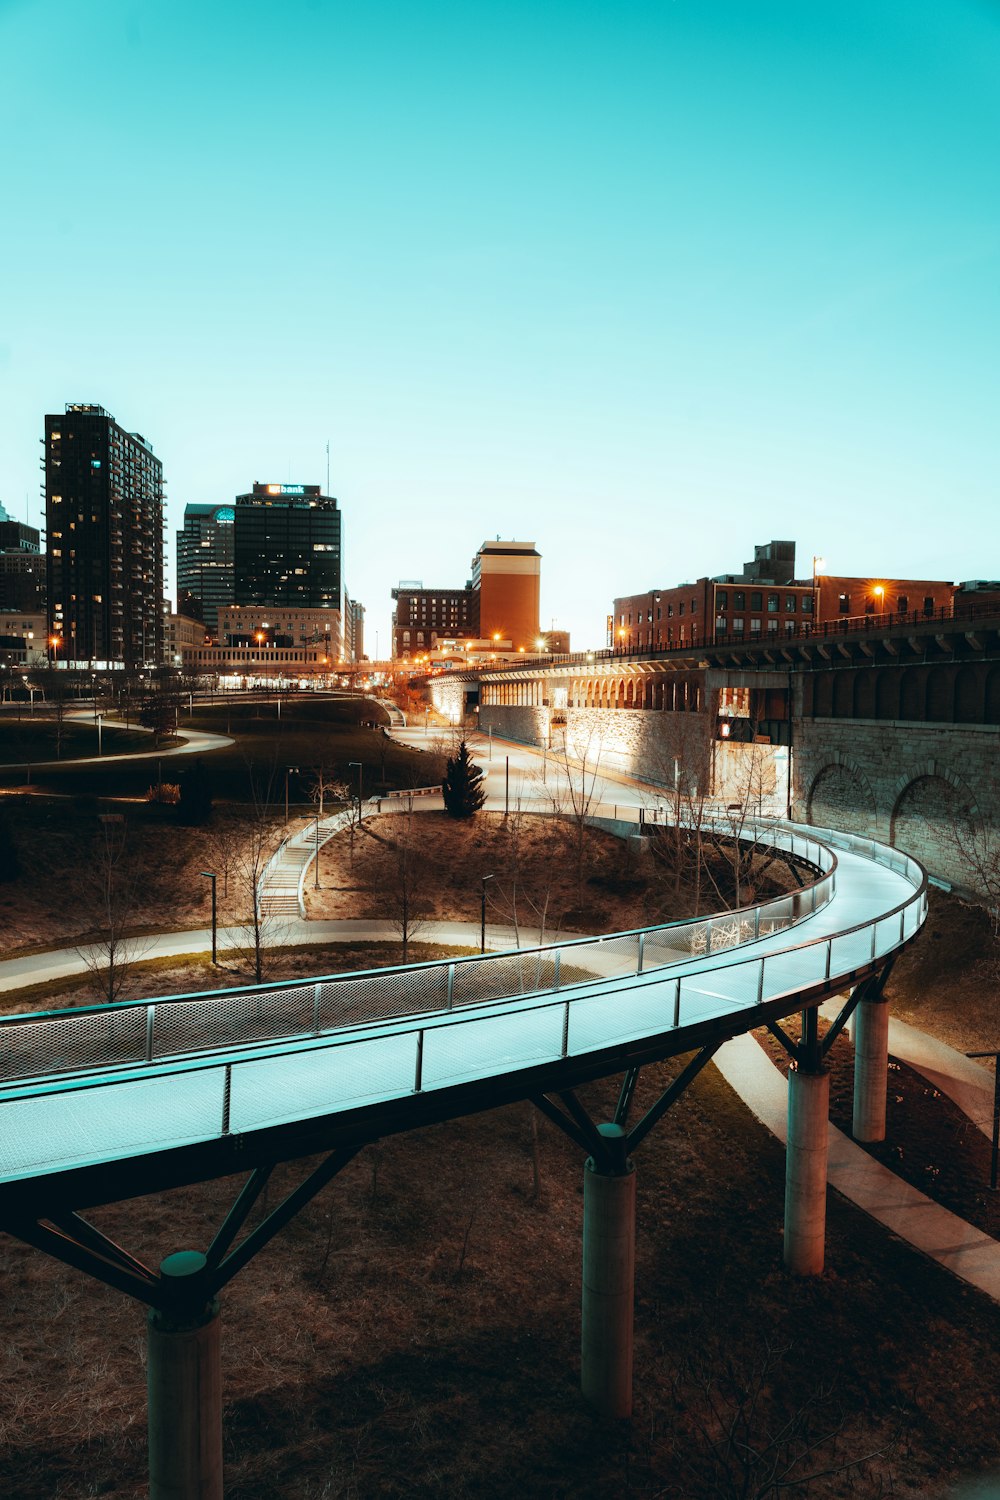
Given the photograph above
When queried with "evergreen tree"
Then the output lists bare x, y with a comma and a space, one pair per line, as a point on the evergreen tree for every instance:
195, 805
462, 788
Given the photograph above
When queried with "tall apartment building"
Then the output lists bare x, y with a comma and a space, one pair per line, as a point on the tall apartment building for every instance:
205, 571
287, 547
104, 521
22, 567
507, 578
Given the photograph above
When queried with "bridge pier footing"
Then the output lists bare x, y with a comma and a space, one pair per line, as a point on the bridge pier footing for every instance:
805, 1170
184, 1379
871, 1068
608, 1278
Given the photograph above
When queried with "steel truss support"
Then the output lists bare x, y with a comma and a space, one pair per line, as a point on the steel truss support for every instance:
609, 1182
184, 1370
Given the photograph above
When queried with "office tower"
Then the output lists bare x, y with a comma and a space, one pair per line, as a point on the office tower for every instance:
205, 570
287, 547
104, 520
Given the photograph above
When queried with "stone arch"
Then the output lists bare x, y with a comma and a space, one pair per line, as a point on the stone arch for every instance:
841, 796
940, 695
843, 694
864, 694
927, 810
912, 697
969, 684
887, 693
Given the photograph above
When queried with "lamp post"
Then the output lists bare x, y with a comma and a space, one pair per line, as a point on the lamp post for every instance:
316, 858
288, 772
55, 641
482, 918
208, 874
360, 767
99, 747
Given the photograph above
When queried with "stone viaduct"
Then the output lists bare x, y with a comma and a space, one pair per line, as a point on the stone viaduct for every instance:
890, 729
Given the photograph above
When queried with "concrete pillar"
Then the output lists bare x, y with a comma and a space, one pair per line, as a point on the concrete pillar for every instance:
608, 1281
805, 1171
184, 1379
871, 1068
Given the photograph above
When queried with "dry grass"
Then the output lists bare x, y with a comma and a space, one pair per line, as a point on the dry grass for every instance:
415, 1331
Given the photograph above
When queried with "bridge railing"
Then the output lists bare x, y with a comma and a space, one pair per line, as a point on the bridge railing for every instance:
137, 1032
172, 1104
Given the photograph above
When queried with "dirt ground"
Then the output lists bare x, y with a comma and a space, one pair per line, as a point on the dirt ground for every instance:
414, 1332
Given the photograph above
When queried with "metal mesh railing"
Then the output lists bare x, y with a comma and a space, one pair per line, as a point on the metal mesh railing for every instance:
135, 1032
48, 1126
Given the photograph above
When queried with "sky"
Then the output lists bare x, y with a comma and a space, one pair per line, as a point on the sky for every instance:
645, 283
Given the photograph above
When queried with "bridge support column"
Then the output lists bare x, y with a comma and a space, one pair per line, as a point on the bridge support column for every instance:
805, 1170
871, 1068
184, 1380
608, 1278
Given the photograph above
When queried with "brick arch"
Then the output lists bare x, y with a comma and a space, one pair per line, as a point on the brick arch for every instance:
993, 696
843, 694
864, 694
940, 695
912, 694
887, 693
841, 796
969, 698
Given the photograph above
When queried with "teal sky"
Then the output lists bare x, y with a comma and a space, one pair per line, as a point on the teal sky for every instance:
646, 283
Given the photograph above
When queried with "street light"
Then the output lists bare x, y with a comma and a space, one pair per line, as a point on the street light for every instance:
359, 765
99, 748
482, 919
210, 876
288, 772
55, 641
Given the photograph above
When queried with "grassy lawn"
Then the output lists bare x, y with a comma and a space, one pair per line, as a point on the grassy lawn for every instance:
35, 739
311, 731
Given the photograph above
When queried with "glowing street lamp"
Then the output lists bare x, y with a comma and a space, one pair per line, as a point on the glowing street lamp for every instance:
55, 641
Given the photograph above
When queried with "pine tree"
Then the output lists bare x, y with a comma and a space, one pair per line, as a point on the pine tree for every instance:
462, 788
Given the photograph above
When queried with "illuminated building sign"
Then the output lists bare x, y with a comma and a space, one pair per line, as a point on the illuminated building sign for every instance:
286, 489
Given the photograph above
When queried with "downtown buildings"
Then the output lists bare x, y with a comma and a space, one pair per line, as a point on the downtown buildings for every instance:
499, 605
104, 523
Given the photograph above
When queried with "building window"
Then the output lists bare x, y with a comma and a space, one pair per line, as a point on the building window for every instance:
791, 603
902, 604
807, 604
755, 625
739, 600
721, 599
756, 601
772, 627
844, 604
720, 624
680, 608
738, 625
772, 604
928, 604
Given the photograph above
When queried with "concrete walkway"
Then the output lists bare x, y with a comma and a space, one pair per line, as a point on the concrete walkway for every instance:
961, 1248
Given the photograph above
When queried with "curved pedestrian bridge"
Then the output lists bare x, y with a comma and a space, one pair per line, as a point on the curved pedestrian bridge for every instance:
117, 1100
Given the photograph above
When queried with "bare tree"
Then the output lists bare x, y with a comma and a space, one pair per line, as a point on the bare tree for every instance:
110, 874
401, 873
575, 796
323, 784
256, 920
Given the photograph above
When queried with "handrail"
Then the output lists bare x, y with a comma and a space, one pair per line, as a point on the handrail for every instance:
439, 979
235, 1107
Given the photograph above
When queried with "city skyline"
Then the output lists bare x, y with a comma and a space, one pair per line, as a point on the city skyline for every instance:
644, 289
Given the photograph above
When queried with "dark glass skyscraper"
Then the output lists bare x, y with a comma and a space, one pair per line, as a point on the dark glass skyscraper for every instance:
205, 560
287, 547
104, 520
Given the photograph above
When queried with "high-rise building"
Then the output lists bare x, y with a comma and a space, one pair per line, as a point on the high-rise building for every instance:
104, 520
205, 553
287, 547
507, 578
22, 567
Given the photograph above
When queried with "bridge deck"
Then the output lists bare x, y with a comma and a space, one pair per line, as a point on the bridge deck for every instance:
365, 1080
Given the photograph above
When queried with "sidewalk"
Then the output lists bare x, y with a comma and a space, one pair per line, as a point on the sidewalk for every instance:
967, 1252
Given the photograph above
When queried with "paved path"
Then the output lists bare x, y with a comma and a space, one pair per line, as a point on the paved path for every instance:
194, 742
959, 1247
